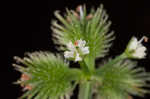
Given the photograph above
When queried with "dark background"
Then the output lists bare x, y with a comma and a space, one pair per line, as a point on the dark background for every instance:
29, 22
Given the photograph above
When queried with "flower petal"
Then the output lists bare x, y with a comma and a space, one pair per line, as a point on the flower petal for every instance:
70, 46
85, 50
78, 58
133, 44
139, 55
68, 54
140, 52
81, 43
141, 49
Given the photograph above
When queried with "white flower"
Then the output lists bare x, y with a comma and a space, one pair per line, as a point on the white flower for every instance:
76, 50
85, 50
69, 54
80, 43
78, 58
136, 49
70, 46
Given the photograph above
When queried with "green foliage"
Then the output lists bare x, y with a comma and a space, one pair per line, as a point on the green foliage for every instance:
49, 75
94, 31
122, 78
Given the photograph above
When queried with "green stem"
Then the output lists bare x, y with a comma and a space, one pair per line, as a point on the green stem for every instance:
85, 91
84, 67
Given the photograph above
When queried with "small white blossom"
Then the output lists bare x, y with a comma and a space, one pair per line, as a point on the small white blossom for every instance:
78, 58
136, 47
80, 43
69, 54
76, 50
70, 46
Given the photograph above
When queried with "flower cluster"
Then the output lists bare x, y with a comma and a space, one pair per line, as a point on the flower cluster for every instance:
135, 49
77, 50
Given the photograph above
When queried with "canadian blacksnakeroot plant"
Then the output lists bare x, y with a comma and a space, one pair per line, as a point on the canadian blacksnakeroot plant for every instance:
83, 37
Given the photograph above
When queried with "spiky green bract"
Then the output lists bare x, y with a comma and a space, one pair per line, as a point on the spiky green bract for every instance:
122, 78
94, 31
50, 76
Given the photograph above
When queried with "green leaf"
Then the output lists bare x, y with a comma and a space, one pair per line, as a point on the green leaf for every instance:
122, 78
49, 76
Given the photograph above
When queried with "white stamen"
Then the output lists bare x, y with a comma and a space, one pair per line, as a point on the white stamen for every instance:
140, 41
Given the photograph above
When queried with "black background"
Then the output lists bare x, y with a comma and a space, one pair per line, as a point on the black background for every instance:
28, 30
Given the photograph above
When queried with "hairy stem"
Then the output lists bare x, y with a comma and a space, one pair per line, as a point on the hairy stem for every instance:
85, 91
